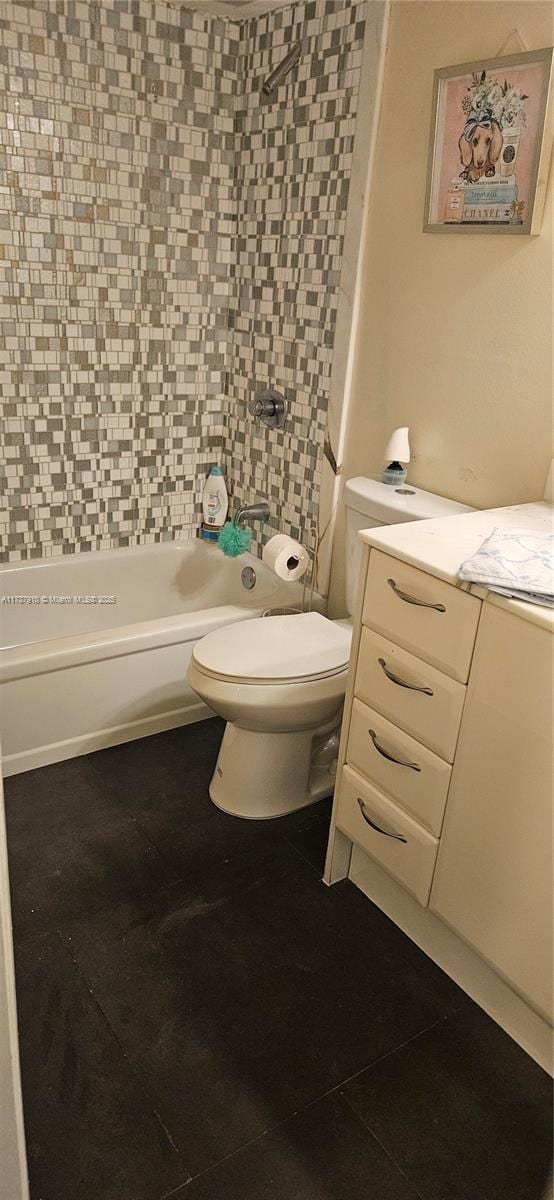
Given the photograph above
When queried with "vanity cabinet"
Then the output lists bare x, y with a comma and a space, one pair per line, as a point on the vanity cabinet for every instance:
444, 783
403, 717
493, 880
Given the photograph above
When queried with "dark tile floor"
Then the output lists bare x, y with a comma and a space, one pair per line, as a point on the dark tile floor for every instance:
201, 1017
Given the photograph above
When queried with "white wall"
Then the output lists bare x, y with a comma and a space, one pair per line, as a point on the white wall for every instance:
455, 332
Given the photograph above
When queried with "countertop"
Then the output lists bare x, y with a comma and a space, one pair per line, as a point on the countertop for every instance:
441, 546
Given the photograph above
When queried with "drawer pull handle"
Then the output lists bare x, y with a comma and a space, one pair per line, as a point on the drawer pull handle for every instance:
403, 682
413, 599
386, 832
386, 754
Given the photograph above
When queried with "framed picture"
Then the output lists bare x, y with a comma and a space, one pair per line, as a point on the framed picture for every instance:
489, 151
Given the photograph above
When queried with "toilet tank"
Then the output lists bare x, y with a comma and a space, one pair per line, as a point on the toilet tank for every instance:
370, 503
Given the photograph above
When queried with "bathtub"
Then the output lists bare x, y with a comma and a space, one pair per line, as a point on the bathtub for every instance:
95, 647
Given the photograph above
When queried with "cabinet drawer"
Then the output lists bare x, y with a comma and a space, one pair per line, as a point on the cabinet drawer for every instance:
418, 781
433, 619
412, 694
391, 837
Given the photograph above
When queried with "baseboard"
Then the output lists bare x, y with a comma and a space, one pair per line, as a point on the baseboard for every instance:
100, 739
456, 959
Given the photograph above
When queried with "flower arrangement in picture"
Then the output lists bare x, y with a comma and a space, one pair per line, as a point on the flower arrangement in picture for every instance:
503, 103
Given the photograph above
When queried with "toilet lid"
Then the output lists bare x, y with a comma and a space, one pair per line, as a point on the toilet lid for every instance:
275, 649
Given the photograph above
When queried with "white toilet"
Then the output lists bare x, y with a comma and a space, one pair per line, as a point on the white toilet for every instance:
279, 682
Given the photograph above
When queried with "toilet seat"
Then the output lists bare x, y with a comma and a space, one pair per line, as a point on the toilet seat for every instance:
269, 650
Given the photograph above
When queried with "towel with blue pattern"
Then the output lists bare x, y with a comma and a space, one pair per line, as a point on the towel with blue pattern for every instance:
516, 563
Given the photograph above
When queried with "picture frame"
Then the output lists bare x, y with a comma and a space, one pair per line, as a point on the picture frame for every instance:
490, 144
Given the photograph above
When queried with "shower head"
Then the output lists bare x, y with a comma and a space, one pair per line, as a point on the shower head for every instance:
270, 85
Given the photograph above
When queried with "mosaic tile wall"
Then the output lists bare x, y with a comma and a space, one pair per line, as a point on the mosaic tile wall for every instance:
294, 158
117, 221
169, 243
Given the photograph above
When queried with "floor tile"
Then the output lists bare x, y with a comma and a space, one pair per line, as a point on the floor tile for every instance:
165, 788
163, 778
463, 1111
310, 837
44, 802
92, 1133
203, 845
205, 988
323, 1153
388, 945
259, 984
71, 851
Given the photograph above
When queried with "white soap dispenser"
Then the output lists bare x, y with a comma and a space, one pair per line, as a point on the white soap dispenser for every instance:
215, 504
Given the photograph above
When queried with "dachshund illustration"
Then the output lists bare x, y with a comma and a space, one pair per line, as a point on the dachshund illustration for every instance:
480, 146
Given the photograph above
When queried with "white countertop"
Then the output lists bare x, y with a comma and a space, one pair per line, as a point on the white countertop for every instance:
441, 546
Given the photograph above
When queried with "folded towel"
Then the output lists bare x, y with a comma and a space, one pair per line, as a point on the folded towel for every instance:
516, 563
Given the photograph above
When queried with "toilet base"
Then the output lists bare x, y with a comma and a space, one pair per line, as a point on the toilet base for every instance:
263, 775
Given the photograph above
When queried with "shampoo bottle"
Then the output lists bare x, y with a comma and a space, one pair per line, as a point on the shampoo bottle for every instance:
215, 503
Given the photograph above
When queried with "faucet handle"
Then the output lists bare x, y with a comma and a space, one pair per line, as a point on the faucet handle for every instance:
269, 407
262, 405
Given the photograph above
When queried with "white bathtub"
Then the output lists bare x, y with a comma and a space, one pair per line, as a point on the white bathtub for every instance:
77, 674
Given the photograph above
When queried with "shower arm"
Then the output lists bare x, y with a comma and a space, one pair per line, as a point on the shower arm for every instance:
270, 85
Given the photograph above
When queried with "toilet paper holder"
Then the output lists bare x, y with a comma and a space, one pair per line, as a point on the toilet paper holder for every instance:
282, 611
308, 587
287, 557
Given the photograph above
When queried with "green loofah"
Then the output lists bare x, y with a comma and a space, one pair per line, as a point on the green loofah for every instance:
233, 540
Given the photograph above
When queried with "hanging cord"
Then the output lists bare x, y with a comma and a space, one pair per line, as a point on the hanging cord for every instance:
316, 544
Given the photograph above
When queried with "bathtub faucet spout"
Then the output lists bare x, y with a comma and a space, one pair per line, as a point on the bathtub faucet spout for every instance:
252, 512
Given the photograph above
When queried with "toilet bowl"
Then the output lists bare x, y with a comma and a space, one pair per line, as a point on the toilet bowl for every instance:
279, 683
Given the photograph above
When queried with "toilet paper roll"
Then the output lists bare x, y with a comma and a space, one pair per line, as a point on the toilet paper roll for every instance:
287, 558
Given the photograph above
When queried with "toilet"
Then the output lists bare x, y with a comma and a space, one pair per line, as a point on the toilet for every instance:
279, 682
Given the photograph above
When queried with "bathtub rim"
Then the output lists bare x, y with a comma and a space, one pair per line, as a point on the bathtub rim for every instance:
84, 557
58, 654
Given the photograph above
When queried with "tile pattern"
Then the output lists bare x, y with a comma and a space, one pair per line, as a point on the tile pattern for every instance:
462, 1111
166, 238
201, 1017
294, 159
117, 225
